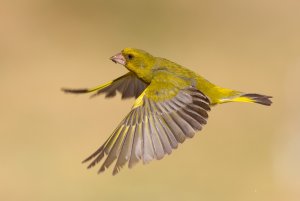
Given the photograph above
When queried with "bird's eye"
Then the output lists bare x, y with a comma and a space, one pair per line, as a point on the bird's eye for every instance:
130, 56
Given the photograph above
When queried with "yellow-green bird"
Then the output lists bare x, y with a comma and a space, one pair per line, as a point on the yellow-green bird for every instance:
172, 104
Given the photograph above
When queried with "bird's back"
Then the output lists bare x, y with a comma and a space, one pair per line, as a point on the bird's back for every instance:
190, 78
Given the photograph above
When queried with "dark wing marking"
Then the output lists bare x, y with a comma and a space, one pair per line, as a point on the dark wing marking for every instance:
129, 85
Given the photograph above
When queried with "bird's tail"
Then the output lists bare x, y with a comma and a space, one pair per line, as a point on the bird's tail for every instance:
225, 95
252, 98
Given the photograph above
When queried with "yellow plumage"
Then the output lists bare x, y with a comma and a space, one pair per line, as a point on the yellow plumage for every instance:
172, 104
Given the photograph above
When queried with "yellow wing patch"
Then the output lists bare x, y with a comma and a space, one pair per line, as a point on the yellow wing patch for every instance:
139, 101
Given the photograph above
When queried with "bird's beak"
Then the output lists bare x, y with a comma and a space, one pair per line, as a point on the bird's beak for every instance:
119, 59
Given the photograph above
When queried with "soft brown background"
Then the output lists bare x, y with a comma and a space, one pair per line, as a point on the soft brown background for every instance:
246, 152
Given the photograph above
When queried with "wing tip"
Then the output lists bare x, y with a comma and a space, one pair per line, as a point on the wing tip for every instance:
75, 91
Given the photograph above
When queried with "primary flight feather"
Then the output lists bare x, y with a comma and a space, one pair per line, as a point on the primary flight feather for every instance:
172, 104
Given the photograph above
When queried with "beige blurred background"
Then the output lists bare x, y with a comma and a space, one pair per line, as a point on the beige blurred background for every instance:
246, 152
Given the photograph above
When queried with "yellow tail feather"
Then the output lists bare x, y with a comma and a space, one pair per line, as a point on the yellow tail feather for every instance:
252, 98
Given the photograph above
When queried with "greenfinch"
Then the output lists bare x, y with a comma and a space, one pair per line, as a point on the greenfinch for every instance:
172, 104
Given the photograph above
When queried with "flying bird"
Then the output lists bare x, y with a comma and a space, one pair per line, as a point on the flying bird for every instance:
172, 104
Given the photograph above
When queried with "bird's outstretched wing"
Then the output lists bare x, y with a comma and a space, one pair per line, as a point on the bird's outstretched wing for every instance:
154, 127
129, 85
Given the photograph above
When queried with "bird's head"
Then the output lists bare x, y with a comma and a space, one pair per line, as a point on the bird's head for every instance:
137, 61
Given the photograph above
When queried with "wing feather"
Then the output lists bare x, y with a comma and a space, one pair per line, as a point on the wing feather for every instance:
113, 153
129, 85
136, 148
170, 135
153, 128
157, 145
125, 150
147, 149
162, 136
